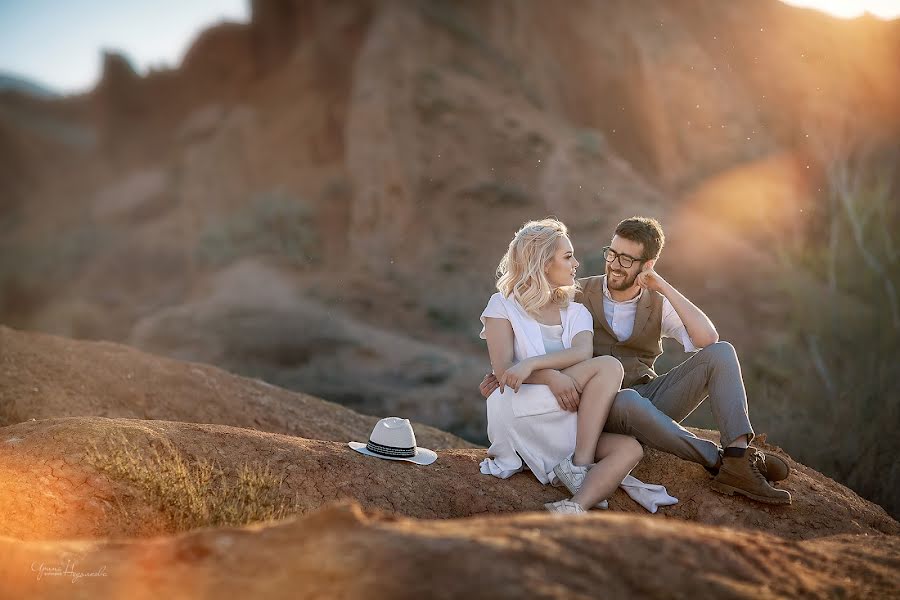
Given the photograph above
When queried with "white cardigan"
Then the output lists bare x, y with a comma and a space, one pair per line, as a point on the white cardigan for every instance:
529, 425
535, 399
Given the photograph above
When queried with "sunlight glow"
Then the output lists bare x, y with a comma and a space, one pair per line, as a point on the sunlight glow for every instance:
848, 9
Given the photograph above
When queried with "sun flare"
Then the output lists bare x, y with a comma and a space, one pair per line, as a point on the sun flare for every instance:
848, 9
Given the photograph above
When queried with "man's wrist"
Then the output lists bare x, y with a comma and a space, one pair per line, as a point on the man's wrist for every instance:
666, 288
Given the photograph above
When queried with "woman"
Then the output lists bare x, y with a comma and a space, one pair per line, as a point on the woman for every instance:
533, 324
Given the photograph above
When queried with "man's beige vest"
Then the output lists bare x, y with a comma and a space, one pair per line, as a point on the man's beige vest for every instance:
639, 352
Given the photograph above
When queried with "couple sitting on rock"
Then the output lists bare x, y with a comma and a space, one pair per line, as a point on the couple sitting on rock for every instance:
573, 394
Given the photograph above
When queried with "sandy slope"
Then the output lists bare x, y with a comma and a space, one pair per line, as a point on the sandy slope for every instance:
50, 376
341, 552
52, 491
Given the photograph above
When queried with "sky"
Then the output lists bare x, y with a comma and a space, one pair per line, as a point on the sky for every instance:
58, 43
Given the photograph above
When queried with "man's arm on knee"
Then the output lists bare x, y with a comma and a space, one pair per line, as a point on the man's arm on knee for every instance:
683, 313
699, 327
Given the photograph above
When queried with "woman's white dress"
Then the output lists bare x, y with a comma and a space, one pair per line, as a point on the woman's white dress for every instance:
528, 427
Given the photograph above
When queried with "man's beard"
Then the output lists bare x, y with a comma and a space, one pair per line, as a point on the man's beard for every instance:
625, 283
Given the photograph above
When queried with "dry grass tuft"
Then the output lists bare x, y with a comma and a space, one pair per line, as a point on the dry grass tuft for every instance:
192, 494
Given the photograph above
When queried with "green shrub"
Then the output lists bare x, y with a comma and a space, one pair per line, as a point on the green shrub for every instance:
829, 384
590, 142
430, 100
450, 320
592, 263
499, 193
31, 272
272, 224
447, 15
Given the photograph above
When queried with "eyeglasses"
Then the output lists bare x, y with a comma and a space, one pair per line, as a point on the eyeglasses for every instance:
625, 260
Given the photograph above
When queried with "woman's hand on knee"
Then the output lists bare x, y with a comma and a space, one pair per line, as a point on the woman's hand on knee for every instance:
566, 390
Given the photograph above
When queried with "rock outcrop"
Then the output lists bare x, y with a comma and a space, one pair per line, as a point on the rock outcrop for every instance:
76, 527
406, 141
342, 552
53, 491
417, 136
45, 376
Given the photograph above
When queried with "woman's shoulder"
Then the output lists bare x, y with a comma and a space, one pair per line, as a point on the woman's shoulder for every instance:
496, 298
496, 306
577, 309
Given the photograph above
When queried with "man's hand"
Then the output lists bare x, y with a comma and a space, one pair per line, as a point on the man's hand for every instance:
488, 385
651, 280
566, 390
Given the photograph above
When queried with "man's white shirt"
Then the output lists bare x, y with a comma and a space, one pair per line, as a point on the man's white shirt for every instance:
620, 316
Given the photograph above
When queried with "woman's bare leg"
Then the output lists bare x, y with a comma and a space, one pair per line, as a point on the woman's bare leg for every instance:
585, 370
616, 456
600, 379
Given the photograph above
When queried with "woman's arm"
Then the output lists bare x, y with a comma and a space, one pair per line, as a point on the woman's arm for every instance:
581, 350
500, 340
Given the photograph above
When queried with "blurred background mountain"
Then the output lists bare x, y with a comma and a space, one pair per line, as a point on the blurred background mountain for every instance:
319, 198
10, 82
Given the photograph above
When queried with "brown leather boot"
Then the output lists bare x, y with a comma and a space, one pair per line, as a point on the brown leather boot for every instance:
740, 475
772, 467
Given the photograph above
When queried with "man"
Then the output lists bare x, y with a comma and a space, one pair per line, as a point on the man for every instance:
633, 308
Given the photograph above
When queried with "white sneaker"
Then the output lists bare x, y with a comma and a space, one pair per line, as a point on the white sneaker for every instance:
565, 507
570, 475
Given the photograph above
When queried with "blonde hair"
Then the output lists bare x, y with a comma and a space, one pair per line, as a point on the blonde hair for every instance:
521, 274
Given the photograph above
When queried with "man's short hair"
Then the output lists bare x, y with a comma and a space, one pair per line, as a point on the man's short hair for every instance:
645, 230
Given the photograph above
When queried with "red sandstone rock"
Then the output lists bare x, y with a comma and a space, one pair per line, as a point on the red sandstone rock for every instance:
53, 492
342, 552
45, 376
